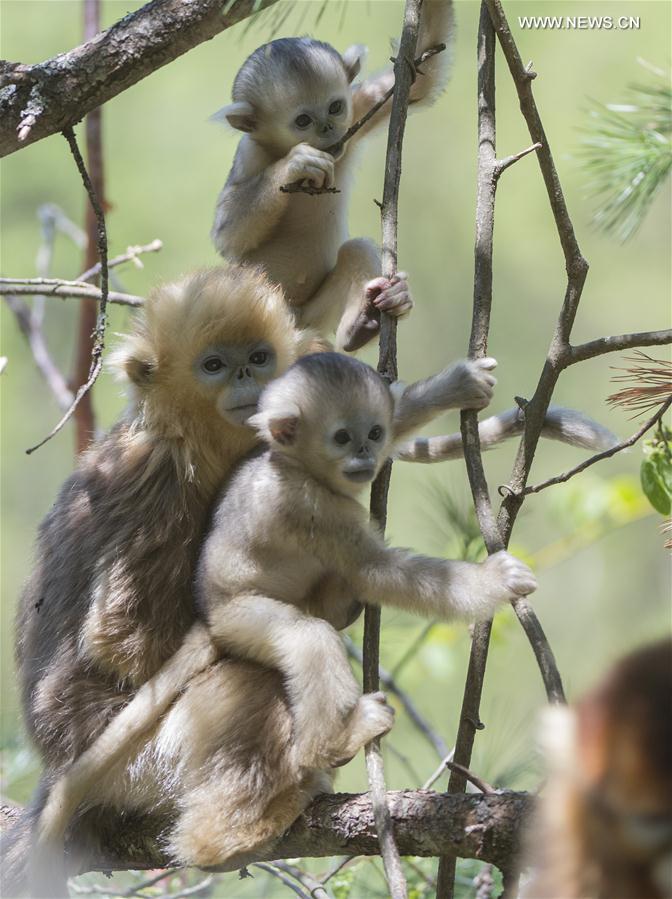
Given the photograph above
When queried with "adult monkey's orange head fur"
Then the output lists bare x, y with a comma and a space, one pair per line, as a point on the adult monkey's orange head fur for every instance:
202, 349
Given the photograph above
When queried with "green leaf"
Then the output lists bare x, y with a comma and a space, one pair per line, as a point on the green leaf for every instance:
656, 481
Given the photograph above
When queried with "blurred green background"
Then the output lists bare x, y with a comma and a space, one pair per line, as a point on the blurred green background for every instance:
604, 576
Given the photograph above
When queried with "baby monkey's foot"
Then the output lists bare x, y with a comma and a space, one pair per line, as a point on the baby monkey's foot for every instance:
372, 717
391, 295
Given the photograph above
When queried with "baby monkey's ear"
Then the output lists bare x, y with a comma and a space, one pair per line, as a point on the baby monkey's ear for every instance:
353, 58
279, 427
240, 115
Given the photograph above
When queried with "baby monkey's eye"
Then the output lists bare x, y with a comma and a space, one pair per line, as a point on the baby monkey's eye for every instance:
341, 437
212, 364
336, 107
303, 120
260, 357
375, 433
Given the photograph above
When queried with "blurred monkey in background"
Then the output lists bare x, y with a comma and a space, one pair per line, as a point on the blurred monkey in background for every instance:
294, 99
605, 822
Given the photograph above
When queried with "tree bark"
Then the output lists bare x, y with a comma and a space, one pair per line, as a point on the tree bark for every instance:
42, 99
485, 827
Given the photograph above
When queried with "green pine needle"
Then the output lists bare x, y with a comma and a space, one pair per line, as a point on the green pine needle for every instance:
628, 155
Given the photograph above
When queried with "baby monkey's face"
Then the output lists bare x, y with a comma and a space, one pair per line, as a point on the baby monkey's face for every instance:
321, 121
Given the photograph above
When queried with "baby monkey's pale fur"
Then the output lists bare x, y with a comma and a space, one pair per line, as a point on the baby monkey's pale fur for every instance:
294, 98
289, 550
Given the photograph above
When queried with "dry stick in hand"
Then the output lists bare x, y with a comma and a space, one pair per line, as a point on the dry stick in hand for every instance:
99, 333
300, 187
404, 74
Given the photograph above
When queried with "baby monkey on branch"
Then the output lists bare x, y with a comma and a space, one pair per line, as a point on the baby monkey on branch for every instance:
289, 550
295, 101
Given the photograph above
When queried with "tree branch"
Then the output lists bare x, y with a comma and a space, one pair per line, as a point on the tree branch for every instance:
98, 346
32, 331
42, 99
613, 344
27, 287
606, 454
404, 74
486, 827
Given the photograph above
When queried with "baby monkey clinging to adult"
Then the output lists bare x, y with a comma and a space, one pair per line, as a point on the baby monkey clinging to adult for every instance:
294, 99
289, 549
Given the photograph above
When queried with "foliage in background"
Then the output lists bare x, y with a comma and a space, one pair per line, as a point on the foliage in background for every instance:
628, 155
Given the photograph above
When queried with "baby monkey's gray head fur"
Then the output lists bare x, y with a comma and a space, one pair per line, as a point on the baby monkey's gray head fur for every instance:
332, 415
294, 90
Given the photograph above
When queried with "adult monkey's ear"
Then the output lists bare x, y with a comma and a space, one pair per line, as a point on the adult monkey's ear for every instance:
134, 361
240, 115
352, 60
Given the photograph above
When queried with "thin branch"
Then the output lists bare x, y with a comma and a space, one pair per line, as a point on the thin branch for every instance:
432, 779
132, 254
613, 344
51, 96
503, 164
404, 75
389, 683
607, 454
477, 781
274, 871
99, 334
34, 336
315, 887
30, 287
84, 418
489, 171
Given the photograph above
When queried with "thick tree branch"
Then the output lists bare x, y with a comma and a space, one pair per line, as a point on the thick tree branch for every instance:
485, 827
42, 99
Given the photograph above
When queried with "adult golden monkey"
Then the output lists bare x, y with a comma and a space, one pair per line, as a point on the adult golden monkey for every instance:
293, 98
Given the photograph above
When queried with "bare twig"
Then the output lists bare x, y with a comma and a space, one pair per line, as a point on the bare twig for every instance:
389, 683
87, 331
613, 344
99, 340
288, 882
132, 254
489, 171
32, 331
336, 149
315, 888
477, 781
28, 287
404, 75
432, 779
606, 454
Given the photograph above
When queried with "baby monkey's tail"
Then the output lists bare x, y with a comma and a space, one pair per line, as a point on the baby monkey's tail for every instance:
565, 425
115, 745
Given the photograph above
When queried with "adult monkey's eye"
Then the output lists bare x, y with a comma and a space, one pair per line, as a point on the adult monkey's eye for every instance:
259, 357
341, 437
336, 107
212, 365
375, 433
303, 120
